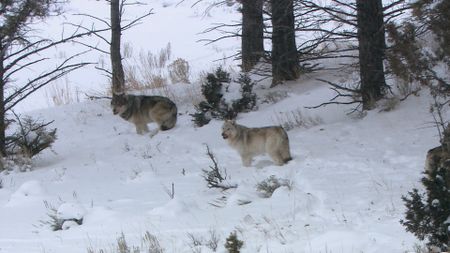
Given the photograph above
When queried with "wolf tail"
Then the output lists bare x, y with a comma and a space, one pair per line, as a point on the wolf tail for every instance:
171, 120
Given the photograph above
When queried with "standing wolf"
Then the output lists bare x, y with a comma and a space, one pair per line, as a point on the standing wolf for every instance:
141, 110
250, 142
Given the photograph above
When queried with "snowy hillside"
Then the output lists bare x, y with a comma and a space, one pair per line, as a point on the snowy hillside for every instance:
342, 190
345, 181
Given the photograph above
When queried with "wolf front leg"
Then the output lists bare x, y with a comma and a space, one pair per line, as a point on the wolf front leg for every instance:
246, 160
141, 128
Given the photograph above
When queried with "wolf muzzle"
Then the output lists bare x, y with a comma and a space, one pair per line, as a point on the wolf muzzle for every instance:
224, 135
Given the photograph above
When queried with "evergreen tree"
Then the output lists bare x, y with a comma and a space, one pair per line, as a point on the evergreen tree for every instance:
252, 33
285, 61
233, 244
371, 45
421, 45
428, 214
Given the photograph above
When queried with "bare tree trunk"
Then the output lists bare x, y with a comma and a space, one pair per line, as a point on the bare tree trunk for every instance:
371, 38
252, 33
2, 105
118, 76
285, 62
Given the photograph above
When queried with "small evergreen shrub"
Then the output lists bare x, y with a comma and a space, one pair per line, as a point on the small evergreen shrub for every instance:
203, 115
248, 100
233, 244
212, 88
215, 106
428, 213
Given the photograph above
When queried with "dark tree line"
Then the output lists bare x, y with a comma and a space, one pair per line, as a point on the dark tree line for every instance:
362, 22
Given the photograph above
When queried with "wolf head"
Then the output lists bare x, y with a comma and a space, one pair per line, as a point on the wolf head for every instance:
119, 103
229, 129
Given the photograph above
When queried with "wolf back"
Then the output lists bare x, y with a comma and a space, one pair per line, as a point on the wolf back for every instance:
141, 110
250, 142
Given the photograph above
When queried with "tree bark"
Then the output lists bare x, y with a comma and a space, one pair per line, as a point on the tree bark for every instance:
118, 76
252, 33
285, 62
371, 39
2, 105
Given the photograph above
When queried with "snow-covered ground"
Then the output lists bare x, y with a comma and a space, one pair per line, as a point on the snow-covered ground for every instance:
346, 178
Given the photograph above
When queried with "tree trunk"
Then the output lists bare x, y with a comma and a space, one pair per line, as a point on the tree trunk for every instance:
118, 76
371, 38
252, 33
2, 106
285, 63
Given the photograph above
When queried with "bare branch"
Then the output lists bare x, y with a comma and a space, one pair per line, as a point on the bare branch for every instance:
137, 21
95, 18
34, 84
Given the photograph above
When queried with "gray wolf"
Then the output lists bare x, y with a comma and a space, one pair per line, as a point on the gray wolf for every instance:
250, 142
141, 110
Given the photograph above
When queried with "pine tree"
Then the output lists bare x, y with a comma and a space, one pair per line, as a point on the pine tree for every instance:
248, 100
428, 214
233, 244
214, 106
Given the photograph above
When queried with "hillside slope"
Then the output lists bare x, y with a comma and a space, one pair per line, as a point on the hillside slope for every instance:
345, 181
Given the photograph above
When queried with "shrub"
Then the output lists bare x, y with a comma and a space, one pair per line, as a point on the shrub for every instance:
428, 214
215, 105
233, 244
214, 176
54, 222
248, 100
179, 71
268, 186
146, 70
149, 244
30, 138
409, 57
152, 244
203, 115
296, 119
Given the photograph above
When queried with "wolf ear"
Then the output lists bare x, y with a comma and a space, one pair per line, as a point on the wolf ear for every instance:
118, 93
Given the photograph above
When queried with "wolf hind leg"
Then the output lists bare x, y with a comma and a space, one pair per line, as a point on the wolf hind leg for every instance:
168, 123
286, 154
281, 155
276, 157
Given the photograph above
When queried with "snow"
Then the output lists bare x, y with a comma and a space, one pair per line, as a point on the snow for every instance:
346, 178
69, 210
